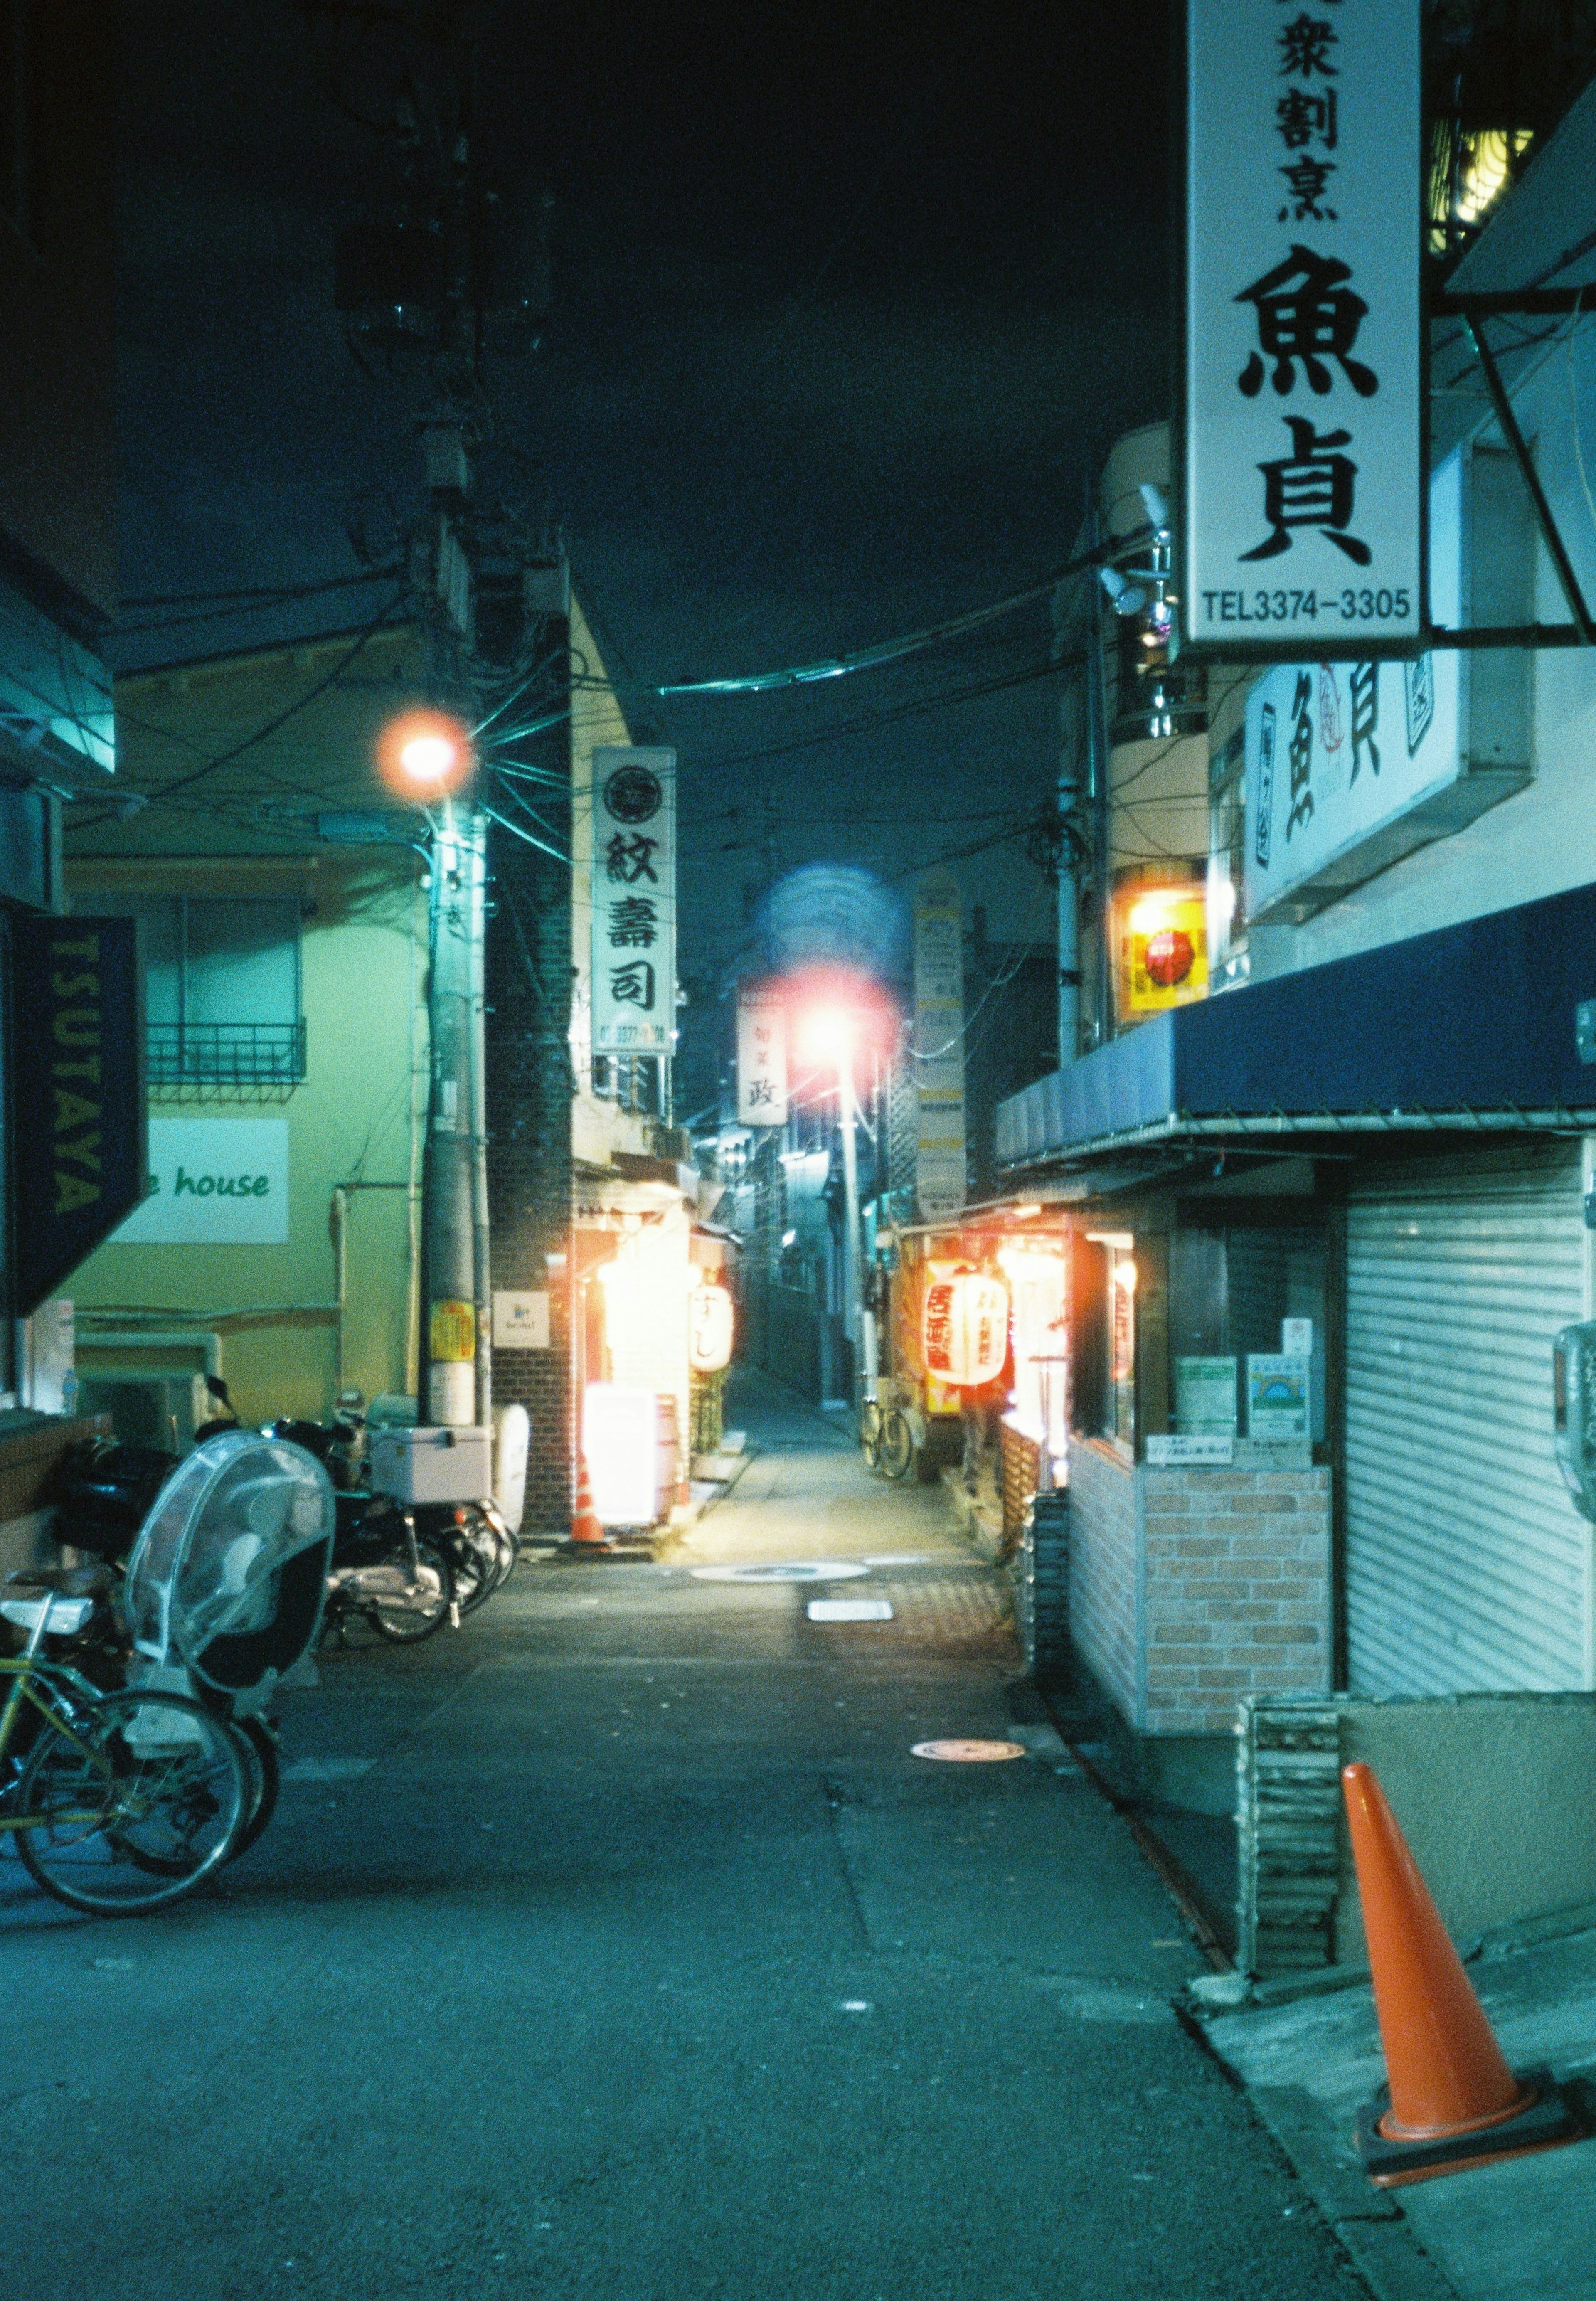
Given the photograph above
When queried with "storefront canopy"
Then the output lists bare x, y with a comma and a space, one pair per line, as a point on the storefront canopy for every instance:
1473, 1025
1544, 233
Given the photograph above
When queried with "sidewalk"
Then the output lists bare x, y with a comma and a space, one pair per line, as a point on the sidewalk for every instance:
1523, 2230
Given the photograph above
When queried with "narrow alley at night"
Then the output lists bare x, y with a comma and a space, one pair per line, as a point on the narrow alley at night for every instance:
625, 1946
798, 1150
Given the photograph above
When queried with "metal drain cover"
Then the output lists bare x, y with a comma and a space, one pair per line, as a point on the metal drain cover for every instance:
968, 1754
808, 1570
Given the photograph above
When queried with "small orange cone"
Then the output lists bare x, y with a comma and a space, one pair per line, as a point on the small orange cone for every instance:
1453, 2100
585, 1527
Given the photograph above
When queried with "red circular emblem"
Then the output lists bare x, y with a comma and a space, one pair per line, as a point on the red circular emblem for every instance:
1169, 957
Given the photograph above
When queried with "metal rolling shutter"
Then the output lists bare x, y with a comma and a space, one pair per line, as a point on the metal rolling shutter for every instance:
1465, 1562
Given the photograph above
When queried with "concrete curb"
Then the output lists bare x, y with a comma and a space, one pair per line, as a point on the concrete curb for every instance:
1368, 2221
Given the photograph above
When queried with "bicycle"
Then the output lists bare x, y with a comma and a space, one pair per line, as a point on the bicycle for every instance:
125, 1801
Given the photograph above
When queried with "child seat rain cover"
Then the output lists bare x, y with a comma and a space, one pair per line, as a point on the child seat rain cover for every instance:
230, 1571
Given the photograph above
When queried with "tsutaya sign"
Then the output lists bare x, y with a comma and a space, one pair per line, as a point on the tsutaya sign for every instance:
938, 1046
1302, 459
214, 1182
633, 809
761, 1060
1350, 765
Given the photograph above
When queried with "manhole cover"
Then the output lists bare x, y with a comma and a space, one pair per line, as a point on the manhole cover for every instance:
849, 1610
810, 1570
969, 1753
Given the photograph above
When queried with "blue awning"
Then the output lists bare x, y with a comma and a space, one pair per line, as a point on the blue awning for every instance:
1472, 1024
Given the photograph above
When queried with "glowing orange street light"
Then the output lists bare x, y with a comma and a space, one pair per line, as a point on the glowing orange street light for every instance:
424, 755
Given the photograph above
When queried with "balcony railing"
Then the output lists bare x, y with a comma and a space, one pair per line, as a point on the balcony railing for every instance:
226, 1054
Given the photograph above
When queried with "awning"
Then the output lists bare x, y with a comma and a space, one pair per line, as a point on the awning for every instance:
1543, 235
1473, 1026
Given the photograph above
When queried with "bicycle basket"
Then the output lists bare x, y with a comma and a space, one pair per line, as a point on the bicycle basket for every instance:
229, 1574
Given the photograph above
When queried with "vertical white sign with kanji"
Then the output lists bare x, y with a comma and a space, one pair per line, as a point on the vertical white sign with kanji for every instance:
938, 1045
761, 1061
632, 804
1303, 509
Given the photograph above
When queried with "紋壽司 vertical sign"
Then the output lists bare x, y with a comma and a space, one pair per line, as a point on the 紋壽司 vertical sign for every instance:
633, 815
1302, 421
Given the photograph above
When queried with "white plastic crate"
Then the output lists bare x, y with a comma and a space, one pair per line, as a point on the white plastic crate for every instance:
431, 1465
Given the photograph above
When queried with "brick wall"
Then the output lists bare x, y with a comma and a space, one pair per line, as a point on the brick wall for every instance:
1190, 1587
1104, 1570
1236, 1572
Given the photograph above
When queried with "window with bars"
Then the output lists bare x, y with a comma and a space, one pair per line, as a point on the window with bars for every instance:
221, 989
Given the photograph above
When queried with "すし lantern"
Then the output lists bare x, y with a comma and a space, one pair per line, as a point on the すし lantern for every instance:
966, 1329
710, 1325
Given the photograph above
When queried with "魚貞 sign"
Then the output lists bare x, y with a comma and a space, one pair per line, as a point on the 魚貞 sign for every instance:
214, 1182
1351, 766
761, 1061
1302, 503
633, 814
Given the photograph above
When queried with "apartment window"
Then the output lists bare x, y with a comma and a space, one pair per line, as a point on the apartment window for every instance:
1230, 1289
221, 988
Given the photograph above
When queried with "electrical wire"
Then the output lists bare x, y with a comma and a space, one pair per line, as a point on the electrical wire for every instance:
1579, 448
872, 658
208, 609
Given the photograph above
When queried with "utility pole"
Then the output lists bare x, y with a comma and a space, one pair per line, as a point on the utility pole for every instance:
852, 1288
457, 1384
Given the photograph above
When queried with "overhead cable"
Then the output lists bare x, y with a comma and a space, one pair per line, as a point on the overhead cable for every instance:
871, 658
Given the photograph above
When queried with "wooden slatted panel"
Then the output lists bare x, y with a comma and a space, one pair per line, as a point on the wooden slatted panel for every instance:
1467, 1564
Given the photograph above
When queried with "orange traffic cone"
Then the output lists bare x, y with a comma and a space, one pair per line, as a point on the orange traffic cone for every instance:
585, 1527
1452, 2099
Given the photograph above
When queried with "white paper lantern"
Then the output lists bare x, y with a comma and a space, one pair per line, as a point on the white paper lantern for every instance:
710, 1328
966, 1329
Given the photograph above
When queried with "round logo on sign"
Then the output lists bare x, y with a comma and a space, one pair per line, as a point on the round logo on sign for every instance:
633, 794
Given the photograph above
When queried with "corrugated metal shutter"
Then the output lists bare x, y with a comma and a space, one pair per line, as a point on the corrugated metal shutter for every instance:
1465, 1562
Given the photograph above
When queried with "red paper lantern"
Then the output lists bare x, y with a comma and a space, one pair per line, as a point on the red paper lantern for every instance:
966, 1330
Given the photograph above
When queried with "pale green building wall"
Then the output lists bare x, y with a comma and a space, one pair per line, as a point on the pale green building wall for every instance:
354, 1123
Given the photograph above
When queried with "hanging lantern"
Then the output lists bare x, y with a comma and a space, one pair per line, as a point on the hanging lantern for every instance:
710, 1325
966, 1329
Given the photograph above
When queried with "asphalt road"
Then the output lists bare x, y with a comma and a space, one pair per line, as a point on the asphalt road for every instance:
618, 1946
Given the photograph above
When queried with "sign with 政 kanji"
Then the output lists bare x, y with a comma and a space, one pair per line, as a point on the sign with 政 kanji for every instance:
761, 1061
633, 808
1302, 432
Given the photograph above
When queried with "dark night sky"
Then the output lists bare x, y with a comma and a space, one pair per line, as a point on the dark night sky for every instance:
847, 303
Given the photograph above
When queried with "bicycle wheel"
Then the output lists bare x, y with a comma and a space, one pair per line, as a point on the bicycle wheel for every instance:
134, 1806
897, 1444
869, 1433
266, 1779
408, 1614
475, 1563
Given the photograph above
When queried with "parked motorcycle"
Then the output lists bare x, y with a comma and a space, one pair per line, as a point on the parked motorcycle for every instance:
404, 1568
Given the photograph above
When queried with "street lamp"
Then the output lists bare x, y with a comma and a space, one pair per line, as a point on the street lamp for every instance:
427, 757
424, 755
